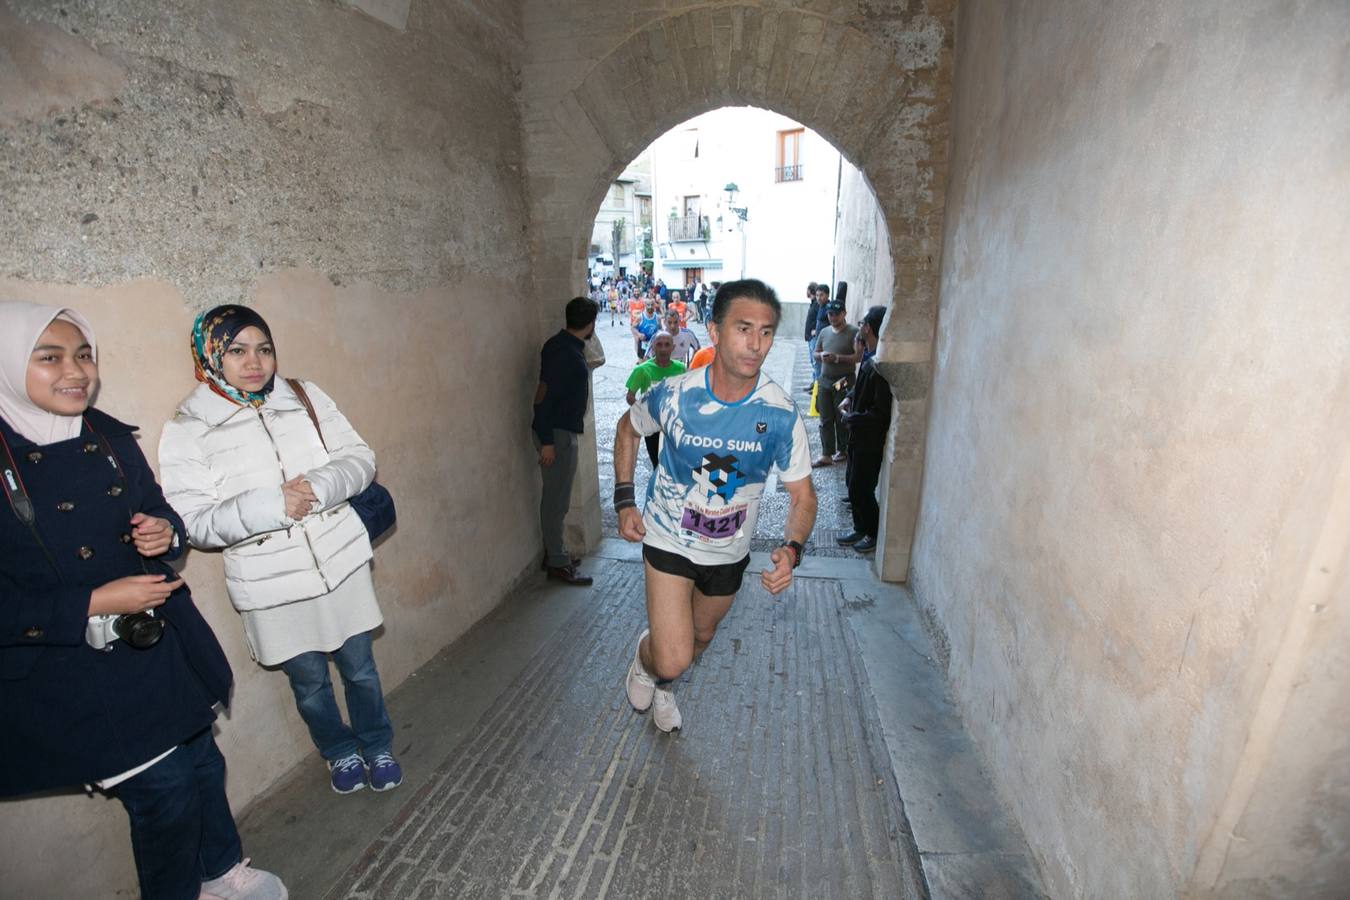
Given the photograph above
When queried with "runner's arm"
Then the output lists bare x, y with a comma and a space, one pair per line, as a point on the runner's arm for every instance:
801, 510
800, 520
626, 439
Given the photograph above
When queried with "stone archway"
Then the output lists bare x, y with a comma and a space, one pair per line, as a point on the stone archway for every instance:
872, 79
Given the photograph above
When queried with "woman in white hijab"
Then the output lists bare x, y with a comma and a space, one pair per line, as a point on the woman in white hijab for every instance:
109, 676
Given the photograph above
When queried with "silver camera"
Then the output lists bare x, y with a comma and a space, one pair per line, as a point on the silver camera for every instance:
140, 630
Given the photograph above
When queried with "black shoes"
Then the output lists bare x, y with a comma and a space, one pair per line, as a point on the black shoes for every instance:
866, 545
569, 575
848, 540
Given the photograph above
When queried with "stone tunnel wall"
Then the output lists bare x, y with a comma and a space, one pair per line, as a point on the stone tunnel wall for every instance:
1133, 526
359, 184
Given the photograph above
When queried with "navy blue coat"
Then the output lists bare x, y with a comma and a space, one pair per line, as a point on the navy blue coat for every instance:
72, 714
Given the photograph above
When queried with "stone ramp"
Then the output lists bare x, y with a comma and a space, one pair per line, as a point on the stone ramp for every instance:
779, 786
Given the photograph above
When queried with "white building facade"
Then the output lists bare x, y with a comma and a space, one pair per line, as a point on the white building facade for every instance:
779, 223
626, 214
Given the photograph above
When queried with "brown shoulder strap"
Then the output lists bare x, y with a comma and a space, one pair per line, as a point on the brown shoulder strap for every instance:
309, 407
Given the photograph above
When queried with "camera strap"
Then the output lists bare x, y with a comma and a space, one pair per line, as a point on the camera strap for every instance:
19, 501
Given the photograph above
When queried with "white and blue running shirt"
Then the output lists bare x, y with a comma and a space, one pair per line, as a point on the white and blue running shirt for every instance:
715, 458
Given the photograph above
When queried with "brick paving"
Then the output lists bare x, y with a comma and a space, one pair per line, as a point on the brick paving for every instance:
779, 786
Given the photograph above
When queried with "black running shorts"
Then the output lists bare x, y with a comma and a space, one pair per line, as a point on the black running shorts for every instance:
712, 581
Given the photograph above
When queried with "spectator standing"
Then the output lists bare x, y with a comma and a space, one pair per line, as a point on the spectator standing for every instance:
263, 470
812, 313
834, 349
822, 322
559, 416
867, 415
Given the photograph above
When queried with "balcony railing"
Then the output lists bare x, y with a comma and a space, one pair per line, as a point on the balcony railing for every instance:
788, 173
689, 228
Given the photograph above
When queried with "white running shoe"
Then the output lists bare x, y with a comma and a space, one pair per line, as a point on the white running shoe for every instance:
665, 713
639, 684
243, 882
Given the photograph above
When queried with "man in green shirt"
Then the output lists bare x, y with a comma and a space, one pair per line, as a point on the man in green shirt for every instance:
645, 374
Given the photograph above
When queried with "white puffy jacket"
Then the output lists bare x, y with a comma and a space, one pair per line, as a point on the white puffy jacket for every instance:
222, 466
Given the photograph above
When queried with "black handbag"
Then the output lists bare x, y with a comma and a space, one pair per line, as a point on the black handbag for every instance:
375, 505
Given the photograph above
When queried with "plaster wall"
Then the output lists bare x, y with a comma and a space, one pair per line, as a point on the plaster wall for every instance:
1137, 425
862, 248
360, 186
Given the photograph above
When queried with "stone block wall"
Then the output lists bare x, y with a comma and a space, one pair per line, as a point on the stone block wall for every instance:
361, 186
1133, 528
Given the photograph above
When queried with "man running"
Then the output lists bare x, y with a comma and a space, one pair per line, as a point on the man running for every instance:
724, 428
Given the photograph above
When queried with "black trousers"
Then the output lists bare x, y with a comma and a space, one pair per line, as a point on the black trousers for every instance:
864, 469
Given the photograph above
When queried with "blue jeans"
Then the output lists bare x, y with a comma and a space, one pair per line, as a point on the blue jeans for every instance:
371, 732
182, 832
811, 349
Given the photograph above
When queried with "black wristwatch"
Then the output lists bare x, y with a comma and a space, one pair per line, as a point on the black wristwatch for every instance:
797, 550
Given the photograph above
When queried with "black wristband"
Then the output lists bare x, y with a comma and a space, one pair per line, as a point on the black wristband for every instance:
625, 495
797, 550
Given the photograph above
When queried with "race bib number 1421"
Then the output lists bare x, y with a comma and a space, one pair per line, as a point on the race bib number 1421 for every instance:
712, 526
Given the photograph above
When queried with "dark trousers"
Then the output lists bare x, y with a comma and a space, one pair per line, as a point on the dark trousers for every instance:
182, 831
833, 433
557, 497
864, 469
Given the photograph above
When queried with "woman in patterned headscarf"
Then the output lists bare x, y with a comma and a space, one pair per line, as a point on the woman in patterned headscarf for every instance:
252, 474
96, 690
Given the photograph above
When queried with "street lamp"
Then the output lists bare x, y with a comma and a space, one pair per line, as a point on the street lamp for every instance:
742, 213
742, 216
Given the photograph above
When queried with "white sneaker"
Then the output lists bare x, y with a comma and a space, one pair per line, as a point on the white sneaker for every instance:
639, 684
665, 713
244, 883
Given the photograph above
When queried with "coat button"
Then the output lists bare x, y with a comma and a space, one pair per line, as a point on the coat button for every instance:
125, 538
32, 633
91, 447
115, 491
65, 506
35, 457
85, 553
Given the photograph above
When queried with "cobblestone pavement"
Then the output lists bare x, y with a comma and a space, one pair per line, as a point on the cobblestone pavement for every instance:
779, 785
789, 365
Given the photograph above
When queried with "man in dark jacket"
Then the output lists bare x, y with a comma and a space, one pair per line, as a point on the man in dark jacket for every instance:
818, 323
812, 312
867, 414
559, 416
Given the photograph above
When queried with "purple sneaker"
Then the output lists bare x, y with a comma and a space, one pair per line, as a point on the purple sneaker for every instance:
348, 775
385, 772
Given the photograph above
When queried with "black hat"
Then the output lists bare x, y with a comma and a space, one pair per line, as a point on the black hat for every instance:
874, 317
835, 306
